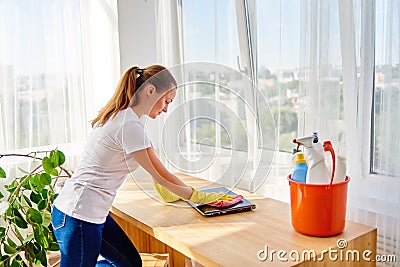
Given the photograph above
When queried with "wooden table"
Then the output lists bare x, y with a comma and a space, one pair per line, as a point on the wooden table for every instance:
241, 239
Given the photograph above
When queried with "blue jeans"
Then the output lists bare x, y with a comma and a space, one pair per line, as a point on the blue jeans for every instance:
82, 242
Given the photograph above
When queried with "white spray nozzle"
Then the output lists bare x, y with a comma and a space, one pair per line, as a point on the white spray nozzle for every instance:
306, 141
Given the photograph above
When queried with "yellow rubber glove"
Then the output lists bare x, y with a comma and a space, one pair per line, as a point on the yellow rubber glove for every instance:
206, 198
165, 194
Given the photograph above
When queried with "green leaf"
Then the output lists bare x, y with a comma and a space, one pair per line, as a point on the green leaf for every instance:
54, 158
2, 173
2, 232
16, 263
11, 243
29, 249
32, 184
1, 195
35, 197
46, 216
57, 158
37, 233
11, 187
20, 237
54, 247
61, 157
42, 204
53, 197
26, 184
20, 222
41, 237
41, 256
26, 201
36, 246
34, 216
16, 205
48, 166
37, 181
9, 211
5, 261
9, 249
45, 193
45, 179
28, 238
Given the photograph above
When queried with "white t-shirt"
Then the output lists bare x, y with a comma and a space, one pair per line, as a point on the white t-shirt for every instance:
89, 193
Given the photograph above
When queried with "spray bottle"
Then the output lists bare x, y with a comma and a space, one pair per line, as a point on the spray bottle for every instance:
338, 164
318, 172
300, 169
340, 172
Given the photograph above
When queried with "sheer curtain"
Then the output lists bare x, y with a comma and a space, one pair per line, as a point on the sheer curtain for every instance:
40, 74
374, 197
320, 71
59, 63
343, 45
215, 107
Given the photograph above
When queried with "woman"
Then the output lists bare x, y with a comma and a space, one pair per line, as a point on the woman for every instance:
117, 145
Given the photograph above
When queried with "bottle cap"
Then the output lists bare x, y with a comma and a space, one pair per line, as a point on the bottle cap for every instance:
300, 158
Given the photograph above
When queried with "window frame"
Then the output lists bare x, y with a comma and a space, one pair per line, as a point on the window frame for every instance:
366, 95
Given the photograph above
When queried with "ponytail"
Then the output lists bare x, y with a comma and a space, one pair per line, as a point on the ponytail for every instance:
130, 83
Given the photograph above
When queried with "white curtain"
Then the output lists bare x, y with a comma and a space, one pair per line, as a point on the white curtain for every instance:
59, 63
343, 45
41, 92
387, 88
375, 186
216, 99
320, 71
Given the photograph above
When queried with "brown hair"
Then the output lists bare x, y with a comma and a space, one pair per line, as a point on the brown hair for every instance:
130, 83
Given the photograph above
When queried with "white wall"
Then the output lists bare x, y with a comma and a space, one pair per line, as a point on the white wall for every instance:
137, 42
137, 33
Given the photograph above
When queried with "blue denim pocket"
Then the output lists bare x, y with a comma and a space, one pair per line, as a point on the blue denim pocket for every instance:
58, 219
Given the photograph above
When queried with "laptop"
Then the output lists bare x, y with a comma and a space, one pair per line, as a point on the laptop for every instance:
206, 210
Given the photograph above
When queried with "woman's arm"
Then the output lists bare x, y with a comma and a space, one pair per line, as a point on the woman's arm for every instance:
150, 162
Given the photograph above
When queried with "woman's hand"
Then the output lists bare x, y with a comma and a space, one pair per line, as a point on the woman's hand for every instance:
197, 196
206, 198
165, 194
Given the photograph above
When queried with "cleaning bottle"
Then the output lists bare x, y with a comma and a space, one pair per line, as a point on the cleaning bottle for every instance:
338, 164
300, 170
340, 172
318, 172
295, 150
331, 169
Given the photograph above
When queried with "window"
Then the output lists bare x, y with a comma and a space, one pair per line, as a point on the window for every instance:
386, 98
278, 42
210, 34
41, 92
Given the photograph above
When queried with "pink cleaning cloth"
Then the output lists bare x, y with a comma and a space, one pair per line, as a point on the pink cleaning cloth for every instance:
222, 204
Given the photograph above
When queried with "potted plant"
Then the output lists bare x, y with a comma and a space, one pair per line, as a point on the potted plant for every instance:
25, 210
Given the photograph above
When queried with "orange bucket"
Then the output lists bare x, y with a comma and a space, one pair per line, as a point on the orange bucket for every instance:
318, 209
